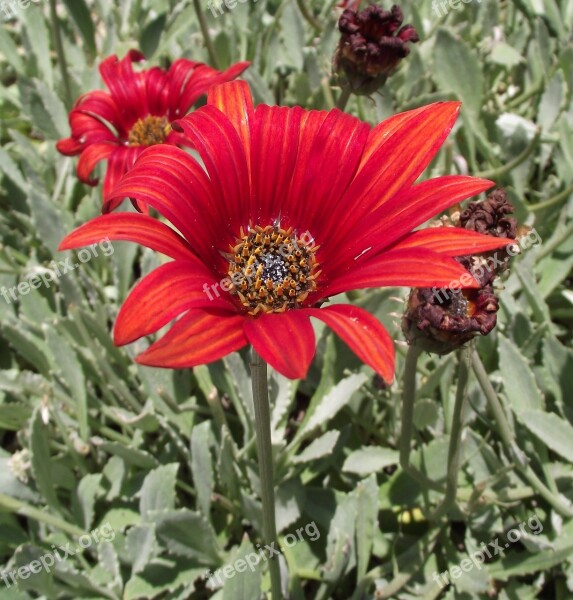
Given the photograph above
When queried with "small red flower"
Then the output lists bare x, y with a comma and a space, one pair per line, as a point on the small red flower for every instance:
136, 113
291, 207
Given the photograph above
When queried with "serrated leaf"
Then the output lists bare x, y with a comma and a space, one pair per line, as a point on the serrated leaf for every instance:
320, 447
141, 544
151, 35
158, 490
69, 367
188, 534
81, 14
201, 465
31, 348
245, 584
338, 397
457, 70
366, 522
519, 384
11, 170
40, 459
552, 430
89, 489
370, 459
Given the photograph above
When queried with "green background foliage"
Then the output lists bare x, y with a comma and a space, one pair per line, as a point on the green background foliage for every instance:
167, 459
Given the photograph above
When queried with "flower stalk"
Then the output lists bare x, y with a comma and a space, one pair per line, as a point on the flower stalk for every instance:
61, 54
407, 419
265, 455
455, 448
206, 35
562, 506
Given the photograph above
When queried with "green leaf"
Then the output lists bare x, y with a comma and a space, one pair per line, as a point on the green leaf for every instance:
505, 55
245, 583
11, 170
41, 461
188, 534
39, 40
366, 522
68, 366
552, 430
151, 36
370, 459
320, 447
82, 16
10, 51
340, 547
31, 348
201, 465
89, 489
519, 384
158, 490
457, 69
132, 456
141, 546
338, 397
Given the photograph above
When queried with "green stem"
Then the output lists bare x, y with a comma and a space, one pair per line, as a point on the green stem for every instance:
552, 201
61, 54
408, 400
454, 451
307, 14
265, 454
556, 241
206, 34
31, 512
344, 97
508, 167
508, 438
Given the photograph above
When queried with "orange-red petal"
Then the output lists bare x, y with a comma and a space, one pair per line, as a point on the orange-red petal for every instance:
363, 333
198, 337
131, 227
163, 295
284, 340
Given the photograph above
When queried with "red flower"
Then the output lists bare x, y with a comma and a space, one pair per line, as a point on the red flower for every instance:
136, 113
292, 207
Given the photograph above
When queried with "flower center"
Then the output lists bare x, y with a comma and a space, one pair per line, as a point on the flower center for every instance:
272, 270
149, 131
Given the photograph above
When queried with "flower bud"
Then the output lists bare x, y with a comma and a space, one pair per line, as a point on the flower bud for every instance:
372, 44
441, 320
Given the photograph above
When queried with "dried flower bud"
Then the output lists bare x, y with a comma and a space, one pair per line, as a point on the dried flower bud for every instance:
490, 216
441, 320
372, 44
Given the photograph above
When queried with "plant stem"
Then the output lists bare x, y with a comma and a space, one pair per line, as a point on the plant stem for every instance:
454, 451
21, 508
508, 167
408, 400
344, 97
61, 54
206, 35
552, 201
562, 506
307, 14
265, 454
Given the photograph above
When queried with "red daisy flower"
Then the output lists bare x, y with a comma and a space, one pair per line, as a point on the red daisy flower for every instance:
135, 114
291, 207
